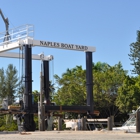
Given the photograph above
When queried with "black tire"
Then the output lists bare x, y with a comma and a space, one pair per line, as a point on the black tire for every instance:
29, 127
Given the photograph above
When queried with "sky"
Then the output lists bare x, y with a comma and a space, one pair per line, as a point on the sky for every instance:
109, 25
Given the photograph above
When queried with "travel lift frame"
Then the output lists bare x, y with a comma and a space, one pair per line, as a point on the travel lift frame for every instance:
27, 42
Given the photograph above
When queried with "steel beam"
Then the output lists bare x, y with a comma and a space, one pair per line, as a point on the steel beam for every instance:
17, 44
28, 78
65, 108
58, 45
22, 56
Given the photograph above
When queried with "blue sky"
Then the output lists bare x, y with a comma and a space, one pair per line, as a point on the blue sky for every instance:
109, 25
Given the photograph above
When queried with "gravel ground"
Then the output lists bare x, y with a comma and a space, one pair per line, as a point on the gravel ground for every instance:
70, 135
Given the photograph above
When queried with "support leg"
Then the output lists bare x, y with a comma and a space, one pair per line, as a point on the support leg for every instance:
29, 124
89, 81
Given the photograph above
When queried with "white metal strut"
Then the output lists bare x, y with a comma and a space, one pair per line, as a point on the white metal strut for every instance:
24, 35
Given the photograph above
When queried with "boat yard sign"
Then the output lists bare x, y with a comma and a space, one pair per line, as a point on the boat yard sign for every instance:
56, 45
63, 46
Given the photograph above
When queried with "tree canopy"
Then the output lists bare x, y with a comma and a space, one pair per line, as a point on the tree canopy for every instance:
135, 54
106, 83
72, 87
8, 83
129, 94
107, 80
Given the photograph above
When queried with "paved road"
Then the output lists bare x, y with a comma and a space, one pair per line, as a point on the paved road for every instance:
71, 135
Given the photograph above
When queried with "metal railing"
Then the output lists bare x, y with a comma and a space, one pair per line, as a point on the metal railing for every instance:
16, 34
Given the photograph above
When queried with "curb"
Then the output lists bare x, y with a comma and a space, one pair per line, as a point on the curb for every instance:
9, 132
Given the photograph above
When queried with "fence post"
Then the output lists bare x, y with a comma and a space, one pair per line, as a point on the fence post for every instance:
138, 122
113, 123
59, 124
109, 123
83, 123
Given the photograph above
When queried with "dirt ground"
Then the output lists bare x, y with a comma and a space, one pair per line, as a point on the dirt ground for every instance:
70, 135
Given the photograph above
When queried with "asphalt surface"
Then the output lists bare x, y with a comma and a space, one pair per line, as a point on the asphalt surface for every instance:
70, 135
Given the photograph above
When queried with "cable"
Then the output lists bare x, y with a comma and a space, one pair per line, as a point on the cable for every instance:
22, 63
53, 71
12, 24
20, 80
20, 69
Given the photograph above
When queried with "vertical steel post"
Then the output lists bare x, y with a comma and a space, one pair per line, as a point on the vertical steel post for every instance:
29, 124
28, 78
46, 81
89, 81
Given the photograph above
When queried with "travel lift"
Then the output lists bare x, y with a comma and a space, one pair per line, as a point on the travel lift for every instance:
21, 37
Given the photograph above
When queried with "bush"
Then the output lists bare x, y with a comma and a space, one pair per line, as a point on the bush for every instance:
9, 127
1, 121
36, 122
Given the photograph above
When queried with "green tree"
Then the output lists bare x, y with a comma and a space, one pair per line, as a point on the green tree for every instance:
36, 94
106, 83
8, 83
107, 80
11, 83
100, 67
51, 90
2, 84
135, 54
72, 87
129, 94
20, 89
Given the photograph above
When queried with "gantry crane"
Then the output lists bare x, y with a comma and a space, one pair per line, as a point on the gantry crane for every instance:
28, 108
6, 21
